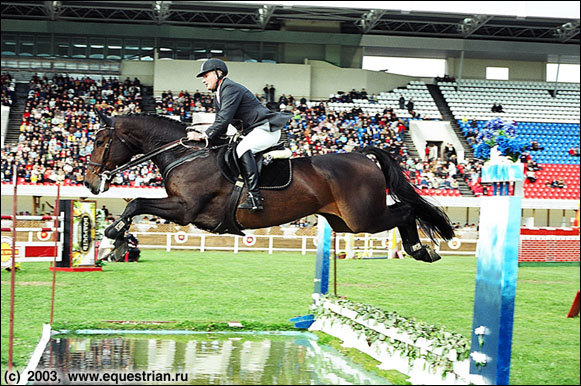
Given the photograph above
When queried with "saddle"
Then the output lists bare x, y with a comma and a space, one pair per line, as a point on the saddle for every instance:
274, 173
274, 170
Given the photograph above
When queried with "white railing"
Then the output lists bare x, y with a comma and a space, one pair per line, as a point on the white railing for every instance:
364, 245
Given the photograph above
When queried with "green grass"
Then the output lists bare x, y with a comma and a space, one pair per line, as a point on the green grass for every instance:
203, 290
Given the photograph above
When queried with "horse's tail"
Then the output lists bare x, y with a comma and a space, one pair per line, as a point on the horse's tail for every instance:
431, 219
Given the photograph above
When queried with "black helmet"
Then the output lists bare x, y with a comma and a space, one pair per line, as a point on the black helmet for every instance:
212, 65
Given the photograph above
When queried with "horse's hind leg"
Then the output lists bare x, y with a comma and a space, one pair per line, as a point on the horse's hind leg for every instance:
402, 216
408, 231
413, 246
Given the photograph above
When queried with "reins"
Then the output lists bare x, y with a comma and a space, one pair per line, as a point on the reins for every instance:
146, 157
153, 153
107, 174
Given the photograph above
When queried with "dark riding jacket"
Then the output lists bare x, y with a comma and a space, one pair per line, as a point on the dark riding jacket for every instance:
237, 105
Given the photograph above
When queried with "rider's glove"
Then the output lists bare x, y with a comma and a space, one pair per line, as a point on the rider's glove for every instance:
212, 135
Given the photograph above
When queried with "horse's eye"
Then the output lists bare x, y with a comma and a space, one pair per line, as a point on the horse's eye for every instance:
99, 142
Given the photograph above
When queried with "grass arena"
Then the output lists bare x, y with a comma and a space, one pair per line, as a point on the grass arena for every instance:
203, 291
480, 127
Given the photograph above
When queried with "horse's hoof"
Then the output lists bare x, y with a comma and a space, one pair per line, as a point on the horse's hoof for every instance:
426, 254
118, 227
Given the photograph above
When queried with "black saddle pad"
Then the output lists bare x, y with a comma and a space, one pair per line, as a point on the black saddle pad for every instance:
277, 175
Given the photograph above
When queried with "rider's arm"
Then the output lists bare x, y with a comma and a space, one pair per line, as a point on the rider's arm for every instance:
230, 98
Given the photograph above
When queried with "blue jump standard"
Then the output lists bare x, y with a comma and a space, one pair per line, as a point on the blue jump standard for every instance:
496, 275
321, 269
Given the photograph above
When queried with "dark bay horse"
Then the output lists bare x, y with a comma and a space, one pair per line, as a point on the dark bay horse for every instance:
348, 189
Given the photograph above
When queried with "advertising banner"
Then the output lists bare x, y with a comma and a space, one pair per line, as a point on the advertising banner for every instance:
83, 242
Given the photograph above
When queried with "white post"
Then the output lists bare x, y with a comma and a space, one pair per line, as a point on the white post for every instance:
390, 246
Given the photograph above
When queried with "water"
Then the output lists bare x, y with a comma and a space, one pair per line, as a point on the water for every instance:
210, 359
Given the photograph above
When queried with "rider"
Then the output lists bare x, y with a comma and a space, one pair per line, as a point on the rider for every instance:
261, 127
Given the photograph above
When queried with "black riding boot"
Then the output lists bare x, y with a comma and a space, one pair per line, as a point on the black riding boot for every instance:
250, 173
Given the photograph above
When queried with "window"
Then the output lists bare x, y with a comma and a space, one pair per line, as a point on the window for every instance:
8, 44
63, 47
235, 54
200, 51
270, 52
114, 48
79, 48
567, 72
147, 49
131, 51
59, 65
166, 50
251, 51
217, 50
26, 45
82, 65
498, 73
43, 46
183, 50
96, 48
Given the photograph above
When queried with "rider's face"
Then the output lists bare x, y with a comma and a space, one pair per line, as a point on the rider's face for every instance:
209, 80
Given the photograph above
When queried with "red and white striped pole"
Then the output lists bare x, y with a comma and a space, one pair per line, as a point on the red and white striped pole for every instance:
13, 269
56, 237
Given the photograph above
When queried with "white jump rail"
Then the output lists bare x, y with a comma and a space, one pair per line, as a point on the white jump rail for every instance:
7, 226
32, 218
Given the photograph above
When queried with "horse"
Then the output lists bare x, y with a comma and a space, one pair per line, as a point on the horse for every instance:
348, 189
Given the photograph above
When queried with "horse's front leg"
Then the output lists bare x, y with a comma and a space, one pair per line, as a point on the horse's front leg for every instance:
170, 208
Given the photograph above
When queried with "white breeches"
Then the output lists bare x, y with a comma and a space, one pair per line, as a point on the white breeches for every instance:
259, 139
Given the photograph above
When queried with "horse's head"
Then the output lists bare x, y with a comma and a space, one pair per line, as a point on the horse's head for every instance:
110, 150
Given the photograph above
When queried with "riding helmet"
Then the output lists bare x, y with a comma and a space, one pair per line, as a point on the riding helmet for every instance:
212, 65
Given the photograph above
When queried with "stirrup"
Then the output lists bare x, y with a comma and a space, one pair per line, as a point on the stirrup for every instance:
267, 159
252, 203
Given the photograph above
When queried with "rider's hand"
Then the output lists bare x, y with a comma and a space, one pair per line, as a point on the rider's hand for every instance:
196, 136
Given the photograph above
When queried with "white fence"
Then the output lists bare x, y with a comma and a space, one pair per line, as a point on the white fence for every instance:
360, 245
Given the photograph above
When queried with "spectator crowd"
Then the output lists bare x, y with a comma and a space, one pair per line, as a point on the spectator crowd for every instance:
8, 90
184, 104
58, 123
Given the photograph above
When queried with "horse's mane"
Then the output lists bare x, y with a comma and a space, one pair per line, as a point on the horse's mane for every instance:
157, 129
166, 119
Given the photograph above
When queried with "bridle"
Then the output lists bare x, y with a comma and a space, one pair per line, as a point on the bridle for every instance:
106, 174
101, 165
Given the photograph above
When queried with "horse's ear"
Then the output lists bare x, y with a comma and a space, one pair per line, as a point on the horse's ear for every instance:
105, 120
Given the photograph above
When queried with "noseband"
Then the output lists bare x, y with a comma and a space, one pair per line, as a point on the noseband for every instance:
101, 165
102, 170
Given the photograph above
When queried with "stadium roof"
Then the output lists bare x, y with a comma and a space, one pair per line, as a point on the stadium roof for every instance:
372, 19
